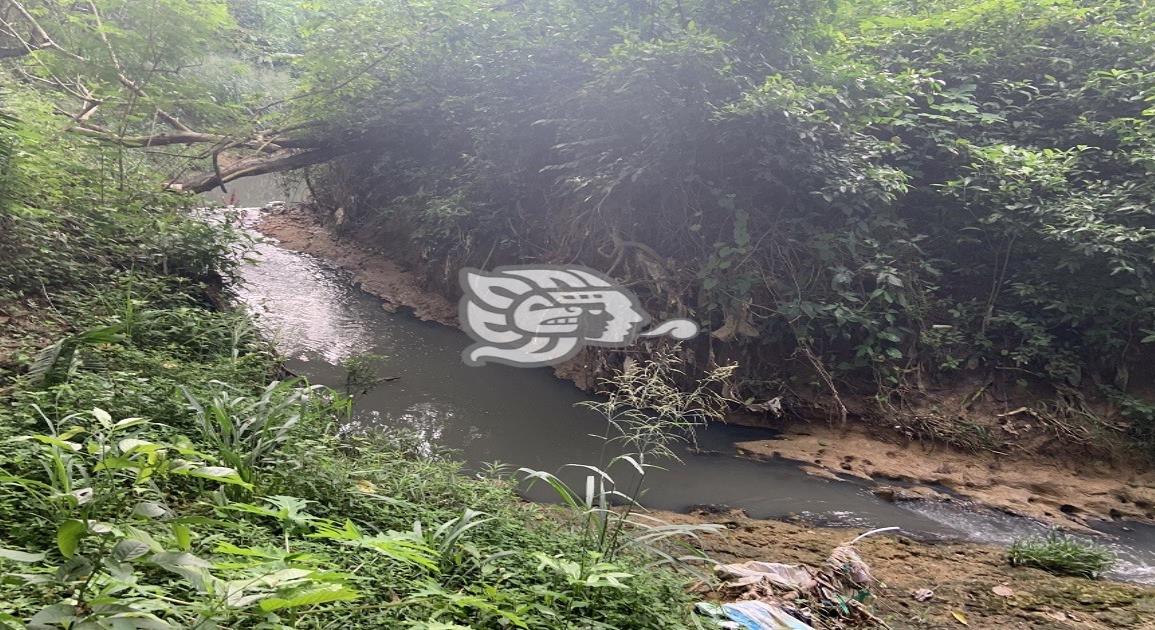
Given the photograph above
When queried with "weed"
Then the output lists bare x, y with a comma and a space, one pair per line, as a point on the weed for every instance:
247, 431
1061, 554
646, 413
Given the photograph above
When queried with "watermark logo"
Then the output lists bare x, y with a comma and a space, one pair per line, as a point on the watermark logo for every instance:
534, 315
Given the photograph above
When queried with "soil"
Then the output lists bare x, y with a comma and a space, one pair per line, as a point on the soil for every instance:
1068, 494
961, 576
372, 271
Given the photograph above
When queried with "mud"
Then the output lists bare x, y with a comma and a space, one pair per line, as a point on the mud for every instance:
373, 271
377, 274
1071, 495
962, 577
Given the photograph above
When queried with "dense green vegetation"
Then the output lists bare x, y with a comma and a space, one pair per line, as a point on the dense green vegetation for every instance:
155, 472
909, 212
934, 215
865, 202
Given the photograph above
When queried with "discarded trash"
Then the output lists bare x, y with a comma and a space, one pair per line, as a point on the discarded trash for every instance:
717, 614
845, 561
922, 595
871, 533
776, 596
763, 616
785, 576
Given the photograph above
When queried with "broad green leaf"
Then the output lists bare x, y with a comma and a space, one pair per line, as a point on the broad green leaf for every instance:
129, 445
183, 536
222, 474
168, 560
56, 615
68, 536
129, 549
150, 509
310, 598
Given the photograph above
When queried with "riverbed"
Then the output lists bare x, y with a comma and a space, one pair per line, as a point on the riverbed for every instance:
528, 418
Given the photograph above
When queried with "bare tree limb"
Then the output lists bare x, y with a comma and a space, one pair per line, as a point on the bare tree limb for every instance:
274, 151
264, 165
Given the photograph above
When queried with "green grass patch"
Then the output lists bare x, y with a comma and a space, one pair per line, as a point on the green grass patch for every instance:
1062, 555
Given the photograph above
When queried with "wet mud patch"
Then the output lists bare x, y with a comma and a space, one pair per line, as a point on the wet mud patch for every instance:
372, 271
1071, 495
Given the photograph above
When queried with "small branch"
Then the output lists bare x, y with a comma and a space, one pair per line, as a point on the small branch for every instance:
40, 32
41, 41
173, 121
221, 180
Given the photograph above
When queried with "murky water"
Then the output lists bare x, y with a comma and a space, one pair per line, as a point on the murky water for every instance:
528, 418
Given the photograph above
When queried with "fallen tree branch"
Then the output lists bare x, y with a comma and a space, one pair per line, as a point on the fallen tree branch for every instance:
156, 140
267, 164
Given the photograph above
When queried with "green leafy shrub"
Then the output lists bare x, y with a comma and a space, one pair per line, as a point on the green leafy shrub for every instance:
871, 197
1061, 554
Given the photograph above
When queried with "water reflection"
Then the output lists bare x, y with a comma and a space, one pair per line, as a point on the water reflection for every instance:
425, 426
303, 307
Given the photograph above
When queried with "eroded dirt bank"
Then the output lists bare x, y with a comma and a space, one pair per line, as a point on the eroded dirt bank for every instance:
1069, 494
372, 271
378, 275
962, 577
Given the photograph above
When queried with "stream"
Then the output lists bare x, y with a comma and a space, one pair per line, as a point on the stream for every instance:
529, 418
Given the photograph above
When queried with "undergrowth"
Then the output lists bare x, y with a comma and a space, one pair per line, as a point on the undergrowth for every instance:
156, 471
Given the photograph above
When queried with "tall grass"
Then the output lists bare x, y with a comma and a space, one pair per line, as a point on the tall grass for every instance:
647, 415
248, 430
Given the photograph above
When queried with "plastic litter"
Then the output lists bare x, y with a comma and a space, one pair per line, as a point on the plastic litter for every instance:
776, 596
717, 614
756, 615
786, 576
845, 561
